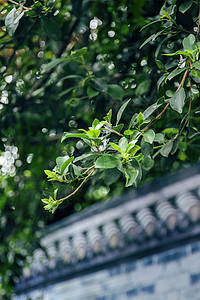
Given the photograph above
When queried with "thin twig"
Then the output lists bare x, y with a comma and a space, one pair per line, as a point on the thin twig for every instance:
19, 4
76, 190
167, 105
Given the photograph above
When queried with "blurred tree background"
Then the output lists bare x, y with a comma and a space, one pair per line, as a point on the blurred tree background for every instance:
43, 94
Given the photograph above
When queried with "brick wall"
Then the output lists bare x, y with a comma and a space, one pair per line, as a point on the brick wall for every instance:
171, 275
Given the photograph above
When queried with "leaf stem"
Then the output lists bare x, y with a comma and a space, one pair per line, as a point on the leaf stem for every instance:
59, 201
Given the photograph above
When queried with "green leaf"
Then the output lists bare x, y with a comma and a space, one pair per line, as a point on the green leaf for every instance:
51, 28
175, 73
178, 53
121, 110
111, 176
108, 116
53, 64
12, 20
140, 119
78, 54
136, 134
123, 143
151, 38
115, 91
132, 149
195, 73
88, 156
185, 6
159, 138
135, 164
142, 87
91, 93
116, 147
67, 135
99, 84
46, 201
49, 173
107, 161
130, 174
148, 112
189, 43
146, 148
132, 121
160, 65
178, 100
196, 65
166, 149
147, 163
55, 193
128, 132
149, 136
95, 123
118, 128
93, 133
63, 162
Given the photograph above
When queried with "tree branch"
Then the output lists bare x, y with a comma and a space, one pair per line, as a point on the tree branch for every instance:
19, 4
76, 190
167, 105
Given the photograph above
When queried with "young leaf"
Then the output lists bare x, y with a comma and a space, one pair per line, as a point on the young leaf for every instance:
128, 132
149, 136
178, 53
140, 119
178, 100
108, 116
123, 143
132, 149
115, 91
55, 193
175, 73
116, 147
166, 149
121, 110
49, 173
107, 161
